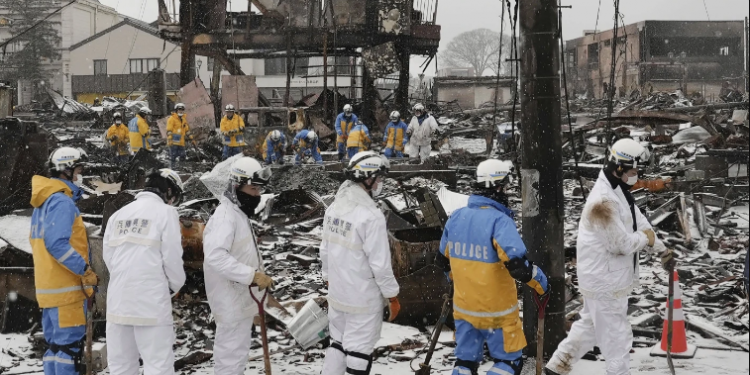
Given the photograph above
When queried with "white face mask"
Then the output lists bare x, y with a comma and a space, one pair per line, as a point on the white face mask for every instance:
118, 122
632, 180
78, 180
376, 191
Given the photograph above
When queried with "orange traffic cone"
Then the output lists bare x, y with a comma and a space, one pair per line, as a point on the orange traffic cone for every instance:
680, 347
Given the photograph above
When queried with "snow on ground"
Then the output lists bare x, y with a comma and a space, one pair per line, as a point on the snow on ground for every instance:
15, 230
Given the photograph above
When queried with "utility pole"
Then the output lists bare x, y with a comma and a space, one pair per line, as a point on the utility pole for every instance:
541, 171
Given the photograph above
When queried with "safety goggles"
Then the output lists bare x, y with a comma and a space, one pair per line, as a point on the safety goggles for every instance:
261, 177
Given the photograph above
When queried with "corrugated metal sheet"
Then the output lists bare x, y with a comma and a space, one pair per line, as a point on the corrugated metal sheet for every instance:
240, 91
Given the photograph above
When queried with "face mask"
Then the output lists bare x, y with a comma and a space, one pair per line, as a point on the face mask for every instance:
632, 180
180, 114
118, 122
248, 203
376, 191
78, 180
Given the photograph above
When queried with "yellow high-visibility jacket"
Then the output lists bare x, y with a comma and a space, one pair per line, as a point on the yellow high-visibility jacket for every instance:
139, 134
231, 130
177, 130
58, 242
119, 137
359, 137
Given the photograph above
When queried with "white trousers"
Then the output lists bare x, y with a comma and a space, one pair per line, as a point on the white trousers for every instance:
604, 324
153, 344
424, 152
232, 347
357, 333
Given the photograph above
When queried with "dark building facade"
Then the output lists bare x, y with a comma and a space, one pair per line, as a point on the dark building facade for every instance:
695, 56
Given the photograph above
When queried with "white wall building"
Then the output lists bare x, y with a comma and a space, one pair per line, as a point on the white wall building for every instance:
74, 23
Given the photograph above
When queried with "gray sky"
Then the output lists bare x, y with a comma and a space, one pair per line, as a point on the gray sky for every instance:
457, 16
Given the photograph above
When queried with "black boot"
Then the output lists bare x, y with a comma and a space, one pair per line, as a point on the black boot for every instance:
549, 372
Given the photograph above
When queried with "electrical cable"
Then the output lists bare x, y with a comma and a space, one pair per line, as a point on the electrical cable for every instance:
706, 8
135, 37
497, 81
613, 71
567, 97
514, 57
109, 37
36, 24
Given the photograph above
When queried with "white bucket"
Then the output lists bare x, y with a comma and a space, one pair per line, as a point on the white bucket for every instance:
309, 326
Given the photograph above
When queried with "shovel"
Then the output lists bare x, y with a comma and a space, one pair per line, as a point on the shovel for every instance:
424, 368
263, 332
541, 305
89, 355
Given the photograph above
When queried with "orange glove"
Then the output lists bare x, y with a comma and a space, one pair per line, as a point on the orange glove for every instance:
89, 278
394, 307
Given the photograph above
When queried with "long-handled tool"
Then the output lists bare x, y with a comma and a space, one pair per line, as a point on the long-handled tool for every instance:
424, 368
88, 353
670, 322
541, 305
263, 333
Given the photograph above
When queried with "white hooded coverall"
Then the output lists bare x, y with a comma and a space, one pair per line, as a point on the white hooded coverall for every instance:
231, 258
356, 261
421, 137
143, 253
607, 255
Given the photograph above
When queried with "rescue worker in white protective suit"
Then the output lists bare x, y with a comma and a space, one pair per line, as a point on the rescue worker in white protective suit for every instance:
420, 131
233, 267
143, 253
356, 262
611, 233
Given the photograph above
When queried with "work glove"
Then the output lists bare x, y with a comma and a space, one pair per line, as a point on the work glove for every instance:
262, 281
668, 262
651, 236
89, 278
394, 307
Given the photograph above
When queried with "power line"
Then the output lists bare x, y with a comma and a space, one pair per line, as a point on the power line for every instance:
135, 37
114, 18
36, 24
706, 8
598, 10
611, 91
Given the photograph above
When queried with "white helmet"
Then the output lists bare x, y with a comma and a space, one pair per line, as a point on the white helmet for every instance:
628, 153
228, 108
144, 111
419, 107
275, 135
179, 106
395, 116
248, 171
311, 136
348, 109
366, 164
493, 173
65, 158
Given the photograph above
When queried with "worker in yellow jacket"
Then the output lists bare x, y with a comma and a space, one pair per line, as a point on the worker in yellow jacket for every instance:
63, 277
358, 140
177, 131
118, 137
232, 128
140, 132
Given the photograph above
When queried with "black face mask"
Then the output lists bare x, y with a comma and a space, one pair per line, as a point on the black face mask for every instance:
248, 203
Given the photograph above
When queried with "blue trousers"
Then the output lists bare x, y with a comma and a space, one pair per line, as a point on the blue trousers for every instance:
352, 151
230, 151
61, 363
470, 344
121, 159
274, 157
391, 152
342, 150
174, 153
307, 153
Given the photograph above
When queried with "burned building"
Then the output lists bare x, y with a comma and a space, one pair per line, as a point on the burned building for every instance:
382, 33
696, 56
